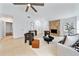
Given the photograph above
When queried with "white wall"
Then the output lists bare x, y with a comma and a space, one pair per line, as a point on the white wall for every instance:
46, 13
40, 24
21, 22
1, 8
1, 22
18, 19
1, 28
68, 20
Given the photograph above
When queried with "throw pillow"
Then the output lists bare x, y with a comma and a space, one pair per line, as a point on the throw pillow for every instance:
58, 38
76, 46
63, 41
71, 40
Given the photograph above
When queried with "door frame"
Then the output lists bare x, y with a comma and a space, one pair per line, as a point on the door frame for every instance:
5, 28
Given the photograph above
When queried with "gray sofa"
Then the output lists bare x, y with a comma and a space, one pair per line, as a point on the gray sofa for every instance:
62, 49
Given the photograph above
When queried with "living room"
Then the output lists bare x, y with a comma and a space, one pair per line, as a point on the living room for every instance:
65, 13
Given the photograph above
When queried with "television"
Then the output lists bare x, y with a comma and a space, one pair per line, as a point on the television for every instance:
53, 30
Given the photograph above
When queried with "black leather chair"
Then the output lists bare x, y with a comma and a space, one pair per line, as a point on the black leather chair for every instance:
46, 33
48, 39
34, 32
30, 37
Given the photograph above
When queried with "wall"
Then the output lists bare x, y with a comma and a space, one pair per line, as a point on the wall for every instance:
68, 20
45, 14
1, 28
3, 20
1, 8
18, 19
39, 24
21, 22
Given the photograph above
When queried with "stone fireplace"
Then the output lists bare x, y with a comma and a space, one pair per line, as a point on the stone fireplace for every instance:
54, 27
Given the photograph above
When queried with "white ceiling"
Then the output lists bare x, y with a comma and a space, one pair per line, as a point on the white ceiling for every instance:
50, 10
53, 9
51, 6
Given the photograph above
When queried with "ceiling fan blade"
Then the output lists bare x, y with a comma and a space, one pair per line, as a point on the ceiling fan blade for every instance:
20, 3
33, 8
37, 4
27, 8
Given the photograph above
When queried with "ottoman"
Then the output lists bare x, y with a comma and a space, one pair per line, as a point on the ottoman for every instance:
35, 43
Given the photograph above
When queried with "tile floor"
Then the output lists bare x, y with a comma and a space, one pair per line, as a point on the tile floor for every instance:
17, 47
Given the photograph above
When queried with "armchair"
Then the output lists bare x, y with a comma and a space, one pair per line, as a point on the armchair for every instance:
48, 39
30, 37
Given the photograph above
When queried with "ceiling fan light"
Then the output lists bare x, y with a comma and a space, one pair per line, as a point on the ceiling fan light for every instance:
29, 5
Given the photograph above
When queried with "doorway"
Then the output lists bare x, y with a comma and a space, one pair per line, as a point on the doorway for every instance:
7, 26
8, 29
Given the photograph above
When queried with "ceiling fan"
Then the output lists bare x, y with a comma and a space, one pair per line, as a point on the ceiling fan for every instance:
30, 5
